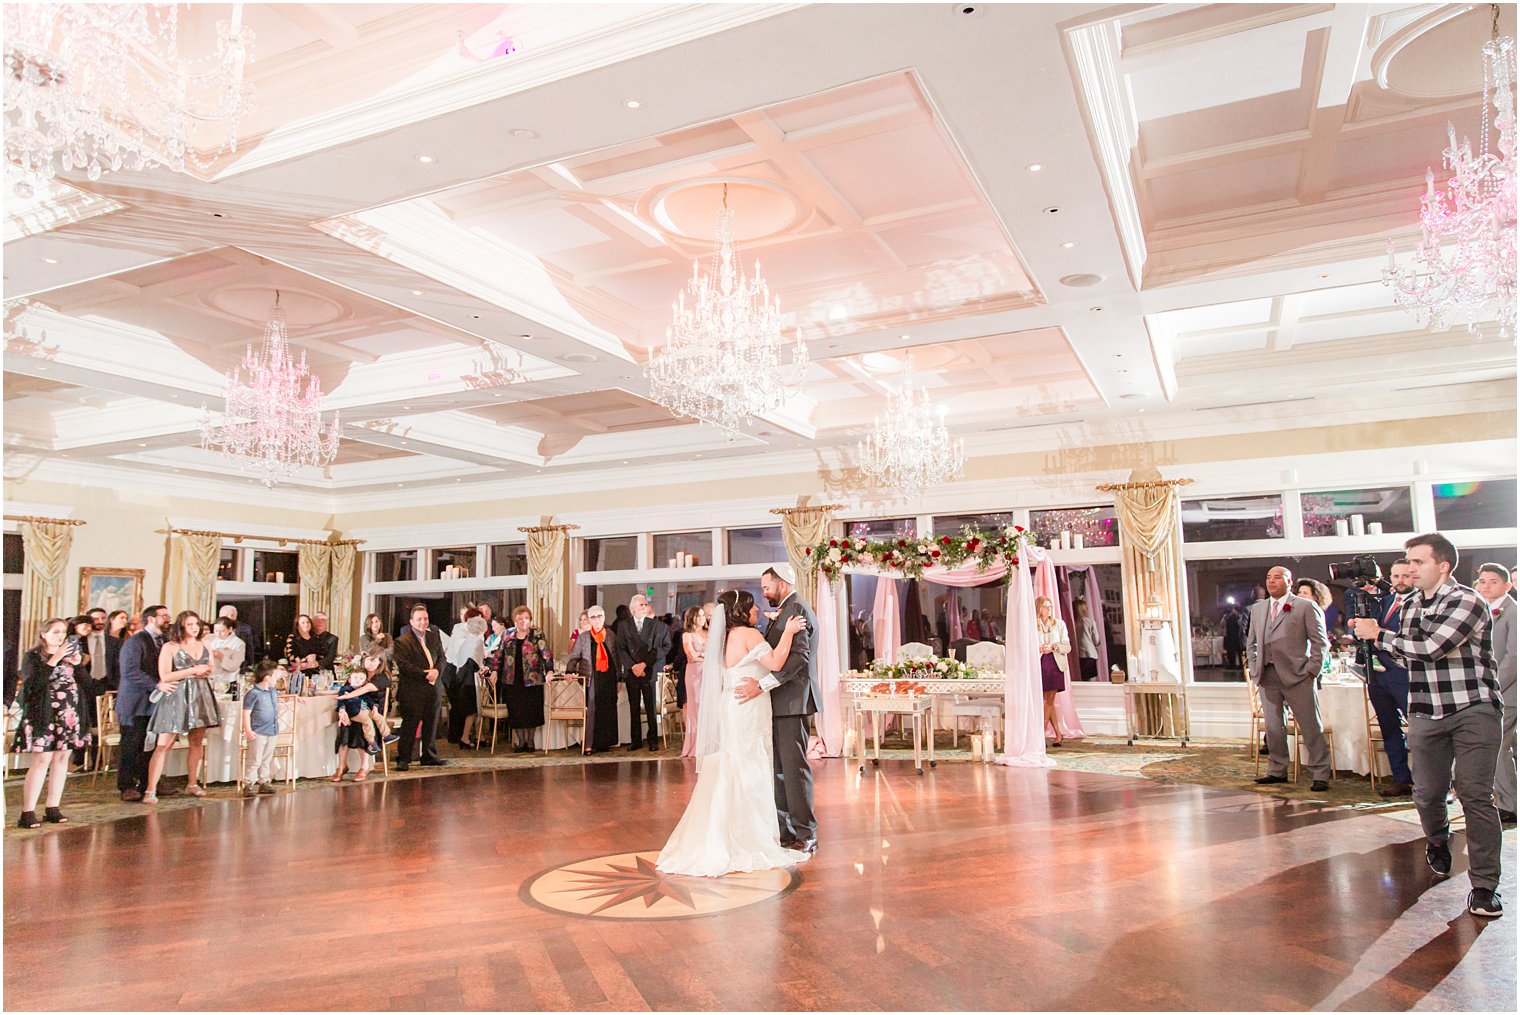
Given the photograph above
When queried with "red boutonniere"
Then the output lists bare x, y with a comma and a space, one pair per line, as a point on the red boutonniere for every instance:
1287, 608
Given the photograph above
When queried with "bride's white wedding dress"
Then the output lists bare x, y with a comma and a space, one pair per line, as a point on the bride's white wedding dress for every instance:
730, 822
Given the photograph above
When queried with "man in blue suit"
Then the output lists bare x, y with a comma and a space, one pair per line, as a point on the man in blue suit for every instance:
1388, 684
139, 677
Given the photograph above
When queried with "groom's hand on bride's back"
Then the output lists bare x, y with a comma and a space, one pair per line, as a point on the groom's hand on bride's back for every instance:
747, 689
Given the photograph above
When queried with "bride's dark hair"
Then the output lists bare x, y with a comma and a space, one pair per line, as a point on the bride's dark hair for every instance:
736, 604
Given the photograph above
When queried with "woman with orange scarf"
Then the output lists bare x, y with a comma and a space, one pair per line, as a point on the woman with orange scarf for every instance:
593, 658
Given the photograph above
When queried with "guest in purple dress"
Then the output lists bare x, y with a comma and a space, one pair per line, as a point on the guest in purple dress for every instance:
694, 642
1055, 646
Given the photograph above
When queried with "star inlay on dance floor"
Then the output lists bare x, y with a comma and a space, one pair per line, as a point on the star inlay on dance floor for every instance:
628, 886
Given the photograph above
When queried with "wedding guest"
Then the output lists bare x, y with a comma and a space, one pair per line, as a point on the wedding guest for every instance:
134, 705
494, 637
261, 726
301, 646
518, 671
374, 628
418, 654
642, 644
581, 627
1494, 585
188, 705
1055, 646
105, 649
117, 623
253, 640
364, 728
1284, 657
1316, 591
1087, 639
134, 625
595, 656
81, 630
974, 626
327, 642
466, 656
50, 726
1235, 637
694, 641
228, 653
486, 612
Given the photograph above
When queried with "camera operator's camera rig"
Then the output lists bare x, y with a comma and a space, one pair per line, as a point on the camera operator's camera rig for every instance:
1361, 603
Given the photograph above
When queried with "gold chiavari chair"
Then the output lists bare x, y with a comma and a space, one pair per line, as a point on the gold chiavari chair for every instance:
487, 707
672, 719
109, 735
565, 701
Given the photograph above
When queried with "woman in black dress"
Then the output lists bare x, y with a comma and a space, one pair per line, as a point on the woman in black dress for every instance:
301, 648
50, 725
517, 671
80, 630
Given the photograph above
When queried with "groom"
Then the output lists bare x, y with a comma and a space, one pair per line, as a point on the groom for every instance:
794, 698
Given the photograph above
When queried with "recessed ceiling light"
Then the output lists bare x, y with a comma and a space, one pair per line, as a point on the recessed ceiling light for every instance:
632, 103
50, 260
904, 337
1081, 281
1096, 310
406, 407
1124, 371
1052, 210
1323, 277
1132, 394
524, 132
1067, 245
416, 292
42, 370
1035, 167
400, 484
838, 312
403, 442
625, 462
426, 158
526, 338
577, 357
142, 445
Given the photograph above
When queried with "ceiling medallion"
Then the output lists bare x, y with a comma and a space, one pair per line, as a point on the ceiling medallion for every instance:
910, 449
722, 359
1465, 261
273, 423
102, 86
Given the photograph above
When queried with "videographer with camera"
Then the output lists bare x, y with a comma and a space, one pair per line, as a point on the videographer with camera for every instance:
1454, 712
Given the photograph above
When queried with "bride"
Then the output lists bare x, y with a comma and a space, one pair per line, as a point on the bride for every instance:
730, 822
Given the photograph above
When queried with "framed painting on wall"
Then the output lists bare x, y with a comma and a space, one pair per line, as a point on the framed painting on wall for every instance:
111, 589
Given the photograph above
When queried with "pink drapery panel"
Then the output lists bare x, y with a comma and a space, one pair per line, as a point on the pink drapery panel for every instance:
1045, 585
1095, 611
886, 619
953, 626
1023, 735
830, 719
965, 576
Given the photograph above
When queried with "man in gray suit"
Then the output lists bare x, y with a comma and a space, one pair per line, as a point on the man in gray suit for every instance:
795, 695
1285, 654
1493, 584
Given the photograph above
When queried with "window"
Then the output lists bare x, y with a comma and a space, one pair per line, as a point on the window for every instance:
443, 611
881, 528
227, 567
275, 566
396, 566
697, 545
664, 597
1223, 518
951, 525
461, 557
1388, 506
615, 553
756, 546
1098, 526
1486, 505
509, 560
15, 555
1469, 560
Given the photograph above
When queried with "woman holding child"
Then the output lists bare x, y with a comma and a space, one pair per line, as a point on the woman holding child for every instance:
361, 710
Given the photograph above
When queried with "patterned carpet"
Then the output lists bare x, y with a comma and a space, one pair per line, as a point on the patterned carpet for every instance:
1222, 765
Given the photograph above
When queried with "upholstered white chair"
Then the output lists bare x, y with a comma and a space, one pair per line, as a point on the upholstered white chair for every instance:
914, 650
986, 653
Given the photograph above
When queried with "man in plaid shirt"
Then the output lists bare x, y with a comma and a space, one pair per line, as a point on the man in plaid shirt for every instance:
1454, 713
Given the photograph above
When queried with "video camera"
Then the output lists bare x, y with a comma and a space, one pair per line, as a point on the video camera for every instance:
1360, 571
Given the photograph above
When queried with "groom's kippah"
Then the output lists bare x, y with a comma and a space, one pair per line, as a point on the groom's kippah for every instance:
786, 573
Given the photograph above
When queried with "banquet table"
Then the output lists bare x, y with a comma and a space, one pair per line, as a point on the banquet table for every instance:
1341, 708
316, 739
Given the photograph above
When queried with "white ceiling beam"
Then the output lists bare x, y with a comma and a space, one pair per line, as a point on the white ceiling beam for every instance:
319, 20
1286, 311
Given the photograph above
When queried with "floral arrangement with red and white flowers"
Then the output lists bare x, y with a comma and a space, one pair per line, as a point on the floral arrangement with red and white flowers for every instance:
931, 668
911, 555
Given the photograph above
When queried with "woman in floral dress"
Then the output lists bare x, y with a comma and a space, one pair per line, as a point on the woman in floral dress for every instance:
51, 726
518, 670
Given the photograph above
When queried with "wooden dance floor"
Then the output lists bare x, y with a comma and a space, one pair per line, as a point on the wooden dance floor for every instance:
969, 888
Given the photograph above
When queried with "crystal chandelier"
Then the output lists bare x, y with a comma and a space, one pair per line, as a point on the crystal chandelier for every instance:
1465, 261
272, 424
102, 86
722, 359
909, 449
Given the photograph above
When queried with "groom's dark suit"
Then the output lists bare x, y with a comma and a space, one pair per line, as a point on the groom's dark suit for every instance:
794, 699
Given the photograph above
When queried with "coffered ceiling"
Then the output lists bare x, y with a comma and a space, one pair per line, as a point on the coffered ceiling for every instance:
1081, 221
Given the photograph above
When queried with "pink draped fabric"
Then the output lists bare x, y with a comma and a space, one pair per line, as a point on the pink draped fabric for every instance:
1045, 585
953, 617
886, 619
1023, 732
830, 719
1095, 611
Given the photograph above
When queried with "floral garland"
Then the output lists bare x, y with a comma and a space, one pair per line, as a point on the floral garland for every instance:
933, 668
912, 555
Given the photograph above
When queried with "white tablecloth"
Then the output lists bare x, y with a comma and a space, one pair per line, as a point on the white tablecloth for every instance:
316, 738
1208, 649
1340, 708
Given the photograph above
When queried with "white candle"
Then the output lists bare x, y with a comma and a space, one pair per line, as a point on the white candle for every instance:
1358, 525
976, 747
1065, 539
1375, 528
672, 562
691, 560
1342, 527
1077, 540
